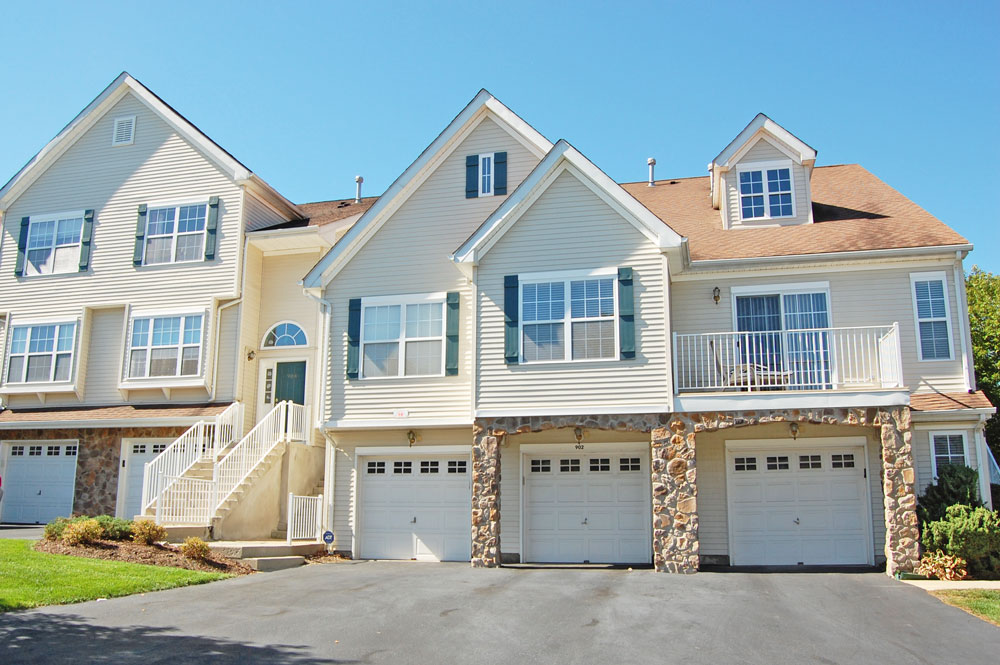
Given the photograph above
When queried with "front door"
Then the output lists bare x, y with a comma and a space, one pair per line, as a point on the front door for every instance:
290, 382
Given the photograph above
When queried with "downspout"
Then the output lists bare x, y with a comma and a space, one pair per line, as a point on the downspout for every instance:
326, 311
963, 319
329, 483
218, 333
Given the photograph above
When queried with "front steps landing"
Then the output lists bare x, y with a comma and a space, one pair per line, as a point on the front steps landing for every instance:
257, 549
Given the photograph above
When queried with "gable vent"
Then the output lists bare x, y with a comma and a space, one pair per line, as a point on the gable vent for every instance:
124, 132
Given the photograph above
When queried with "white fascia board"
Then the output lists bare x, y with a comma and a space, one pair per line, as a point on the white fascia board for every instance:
563, 157
723, 264
972, 415
804, 152
581, 410
94, 111
789, 400
403, 186
396, 423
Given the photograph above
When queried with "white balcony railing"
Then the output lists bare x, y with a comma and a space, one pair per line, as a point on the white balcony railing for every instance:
304, 517
204, 440
810, 359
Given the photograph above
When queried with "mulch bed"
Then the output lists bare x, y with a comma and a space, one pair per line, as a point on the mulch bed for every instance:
323, 557
154, 555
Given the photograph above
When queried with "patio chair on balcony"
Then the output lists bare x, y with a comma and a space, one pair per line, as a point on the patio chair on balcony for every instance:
748, 376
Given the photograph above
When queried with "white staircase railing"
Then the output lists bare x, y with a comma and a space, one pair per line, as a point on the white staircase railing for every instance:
285, 422
305, 518
202, 440
186, 501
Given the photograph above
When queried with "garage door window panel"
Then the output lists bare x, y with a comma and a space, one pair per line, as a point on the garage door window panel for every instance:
777, 463
376, 467
745, 464
457, 466
41, 353
629, 464
569, 465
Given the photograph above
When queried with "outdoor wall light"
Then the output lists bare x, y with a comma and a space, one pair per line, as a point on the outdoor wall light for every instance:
411, 436
251, 354
794, 429
578, 433
716, 294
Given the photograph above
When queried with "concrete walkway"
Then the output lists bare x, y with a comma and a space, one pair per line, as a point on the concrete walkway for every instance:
447, 614
940, 585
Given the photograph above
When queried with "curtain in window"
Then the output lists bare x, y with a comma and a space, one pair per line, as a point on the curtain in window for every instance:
807, 352
760, 315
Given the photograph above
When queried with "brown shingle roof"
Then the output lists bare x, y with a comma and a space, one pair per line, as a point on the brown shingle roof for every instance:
326, 212
104, 413
852, 209
949, 401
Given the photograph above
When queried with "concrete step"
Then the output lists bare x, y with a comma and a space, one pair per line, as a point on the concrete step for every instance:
267, 564
177, 533
254, 549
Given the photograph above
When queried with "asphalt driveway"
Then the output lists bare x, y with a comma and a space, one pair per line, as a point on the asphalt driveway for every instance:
385, 612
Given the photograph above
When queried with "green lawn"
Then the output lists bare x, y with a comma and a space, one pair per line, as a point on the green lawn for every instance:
984, 603
30, 579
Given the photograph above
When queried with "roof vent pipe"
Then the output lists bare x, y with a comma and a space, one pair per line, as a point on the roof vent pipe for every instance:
652, 163
357, 195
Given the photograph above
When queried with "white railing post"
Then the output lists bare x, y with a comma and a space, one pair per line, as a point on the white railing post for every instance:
899, 355
318, 514
290, 524
673, 352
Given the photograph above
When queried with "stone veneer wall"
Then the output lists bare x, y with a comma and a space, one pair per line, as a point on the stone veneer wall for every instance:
674, 474
98, 460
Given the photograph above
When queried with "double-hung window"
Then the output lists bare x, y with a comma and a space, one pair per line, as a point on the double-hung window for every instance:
947, 448
164, 346
175, 234
402, 336
930, 307
569, 318
41, 353
766, 192
54, 244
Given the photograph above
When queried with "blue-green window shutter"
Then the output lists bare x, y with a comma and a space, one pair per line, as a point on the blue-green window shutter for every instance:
353, 337
22, 246
626, 314
499, 173
85, 237
451, 335
140, 235
472, 176
511, 348
211, 228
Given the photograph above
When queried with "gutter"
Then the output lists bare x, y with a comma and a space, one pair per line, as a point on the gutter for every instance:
116, 423
709, 264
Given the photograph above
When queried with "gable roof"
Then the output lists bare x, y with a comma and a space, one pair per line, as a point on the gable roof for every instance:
94, 111
482, 105
853, 211
562, 157
801, 151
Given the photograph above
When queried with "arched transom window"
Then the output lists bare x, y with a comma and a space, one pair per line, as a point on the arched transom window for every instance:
285, 334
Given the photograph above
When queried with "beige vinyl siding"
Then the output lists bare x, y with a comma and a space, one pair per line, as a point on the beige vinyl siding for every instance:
343, 500
225, 372
571, 228
857, 298
409, 255
922, 449
713, 517
282, 299
259, 215
160, 168
763, 151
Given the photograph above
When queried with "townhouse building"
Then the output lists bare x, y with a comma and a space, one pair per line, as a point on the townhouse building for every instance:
506, 357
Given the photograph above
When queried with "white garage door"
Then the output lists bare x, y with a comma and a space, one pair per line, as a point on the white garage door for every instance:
592, 508
804, 506
415, 508
38, 482
137, 454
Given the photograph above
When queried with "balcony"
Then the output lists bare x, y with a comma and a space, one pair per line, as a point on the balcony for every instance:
768, 367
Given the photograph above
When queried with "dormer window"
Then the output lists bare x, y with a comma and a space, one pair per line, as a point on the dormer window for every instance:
766, 193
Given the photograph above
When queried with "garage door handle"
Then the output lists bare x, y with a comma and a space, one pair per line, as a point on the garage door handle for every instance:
796, 520
584, 521
413, 521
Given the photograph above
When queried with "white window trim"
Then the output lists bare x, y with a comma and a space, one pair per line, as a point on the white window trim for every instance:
947, 432
127, 367
763, 167
33, 385
403, 301
114, 131
279, 323
924, 277
493, 174
38, 219
566, 276
176, 205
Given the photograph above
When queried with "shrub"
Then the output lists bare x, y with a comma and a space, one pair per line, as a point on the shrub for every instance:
942, 566
194, 547
954, 484
82, 532
54, 529
972, 533
147, 532
995, 493
115, 528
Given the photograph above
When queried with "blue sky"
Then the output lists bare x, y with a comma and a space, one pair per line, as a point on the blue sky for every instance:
308, 95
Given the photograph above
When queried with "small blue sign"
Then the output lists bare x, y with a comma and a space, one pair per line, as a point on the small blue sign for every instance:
328, 537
